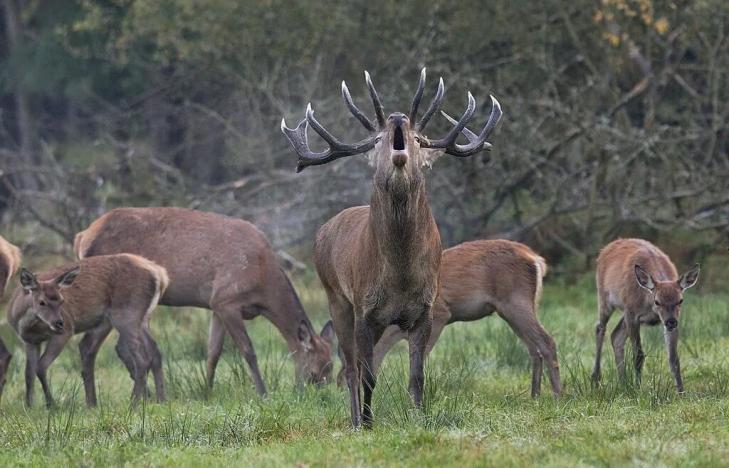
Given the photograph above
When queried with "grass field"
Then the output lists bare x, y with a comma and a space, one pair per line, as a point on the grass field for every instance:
477, 406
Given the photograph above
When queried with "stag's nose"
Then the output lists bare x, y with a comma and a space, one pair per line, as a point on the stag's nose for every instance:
398, 119
671, 324
58, 324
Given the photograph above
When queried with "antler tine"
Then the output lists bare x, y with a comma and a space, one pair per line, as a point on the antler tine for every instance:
418, 96
306, 157
476, 142
379, 110
355, 110
433, 107
449, 140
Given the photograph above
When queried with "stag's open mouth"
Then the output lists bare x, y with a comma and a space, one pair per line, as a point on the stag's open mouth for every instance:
398, 141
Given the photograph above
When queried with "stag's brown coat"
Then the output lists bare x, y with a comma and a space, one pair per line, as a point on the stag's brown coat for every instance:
219, 263
482, 277
91, 297
10, 259
636, 277
379, 263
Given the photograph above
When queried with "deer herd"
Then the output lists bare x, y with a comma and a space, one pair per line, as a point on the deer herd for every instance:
381, 266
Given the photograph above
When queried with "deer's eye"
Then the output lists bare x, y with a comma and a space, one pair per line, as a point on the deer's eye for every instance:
43, 303
680, 302
657, 303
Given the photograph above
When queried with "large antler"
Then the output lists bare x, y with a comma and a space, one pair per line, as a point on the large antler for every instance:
299, 140
475, 143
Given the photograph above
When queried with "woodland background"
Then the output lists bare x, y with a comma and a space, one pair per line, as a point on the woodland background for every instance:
616, 115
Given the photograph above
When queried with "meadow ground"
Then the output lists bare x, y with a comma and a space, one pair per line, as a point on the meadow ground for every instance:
477, 408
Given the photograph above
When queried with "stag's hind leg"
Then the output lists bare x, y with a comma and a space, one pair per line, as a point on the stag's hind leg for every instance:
89, 348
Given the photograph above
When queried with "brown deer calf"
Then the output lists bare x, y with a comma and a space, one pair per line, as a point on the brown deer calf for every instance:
219, 263
636, 277
482, 277
94, 296
10, 259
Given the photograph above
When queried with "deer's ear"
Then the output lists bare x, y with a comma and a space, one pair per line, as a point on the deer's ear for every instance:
645, 280
689, 278
327, 333
28, 280
305, 337
429, 156
66, 279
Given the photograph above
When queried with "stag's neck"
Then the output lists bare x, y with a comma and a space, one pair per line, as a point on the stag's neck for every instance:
286, 313
401, 228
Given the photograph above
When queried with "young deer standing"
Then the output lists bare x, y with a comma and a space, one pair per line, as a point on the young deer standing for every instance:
482, 277
10, 259
379, 263
219, 263
636, 277
92, 297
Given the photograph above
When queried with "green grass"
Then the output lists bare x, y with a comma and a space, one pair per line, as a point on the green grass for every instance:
477, 404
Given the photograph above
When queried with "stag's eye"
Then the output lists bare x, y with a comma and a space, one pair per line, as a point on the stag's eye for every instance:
657, 303
680, 302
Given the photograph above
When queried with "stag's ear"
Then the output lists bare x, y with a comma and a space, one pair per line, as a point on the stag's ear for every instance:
689, 278
645, 280
327, 333
66, 279
28, 280
305, 337
429, 156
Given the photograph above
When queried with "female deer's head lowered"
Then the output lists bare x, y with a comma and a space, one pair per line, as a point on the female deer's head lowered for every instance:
379, 263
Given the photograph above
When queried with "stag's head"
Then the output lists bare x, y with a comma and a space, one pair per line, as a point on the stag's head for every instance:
397, 145
47, 297
667, 295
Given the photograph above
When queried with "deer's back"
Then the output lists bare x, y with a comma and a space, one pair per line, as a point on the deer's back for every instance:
481, 276
616, 271
204, 253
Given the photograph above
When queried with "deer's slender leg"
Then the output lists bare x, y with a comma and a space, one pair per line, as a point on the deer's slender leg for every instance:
633, 329
89, 348
603, 315
132, 350
233, 320
155, 357
367, 335
673, 361
418, 337
216, 339
342, 314
53, 349
32, 355
618, 338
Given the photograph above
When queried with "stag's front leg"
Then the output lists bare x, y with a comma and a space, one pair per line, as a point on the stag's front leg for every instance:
32, 354
671, 338
53, 349
367, 335
418, 337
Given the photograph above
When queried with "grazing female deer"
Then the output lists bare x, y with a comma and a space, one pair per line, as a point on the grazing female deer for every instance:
379, 263
482, 277
636, 277
219, 263
10, 259
94, 296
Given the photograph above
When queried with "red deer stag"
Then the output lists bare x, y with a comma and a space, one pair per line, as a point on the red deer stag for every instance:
482, 277
379, 263
10, 259
219, 263
91, 297
636, 277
